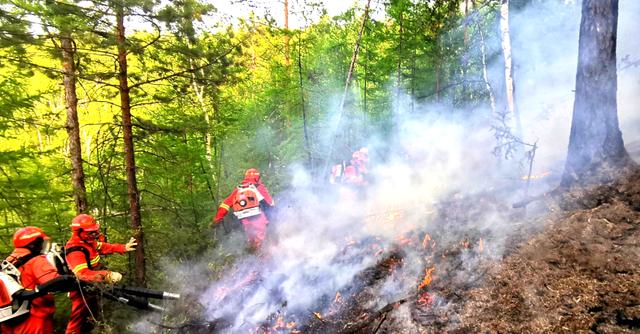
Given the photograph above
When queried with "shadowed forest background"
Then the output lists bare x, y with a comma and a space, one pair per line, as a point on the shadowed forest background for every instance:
145, 114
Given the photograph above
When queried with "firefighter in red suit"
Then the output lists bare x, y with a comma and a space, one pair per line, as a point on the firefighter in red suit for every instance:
354, 180
34, 270
83, 252
248, 201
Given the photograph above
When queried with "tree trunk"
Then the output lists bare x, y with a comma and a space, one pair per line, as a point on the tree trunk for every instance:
508, 67
465, 59
73, 128
399, 64
129, 157
352, 66
307, 145
286, 36
354, 57
596, 150
485, 75
438, 69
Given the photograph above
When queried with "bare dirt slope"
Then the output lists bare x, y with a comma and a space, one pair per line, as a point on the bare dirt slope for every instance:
580, 275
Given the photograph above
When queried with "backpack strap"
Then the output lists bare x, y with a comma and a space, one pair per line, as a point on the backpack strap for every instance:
23, 260
82, 249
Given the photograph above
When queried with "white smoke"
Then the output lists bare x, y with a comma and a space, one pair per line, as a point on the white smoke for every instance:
315, 247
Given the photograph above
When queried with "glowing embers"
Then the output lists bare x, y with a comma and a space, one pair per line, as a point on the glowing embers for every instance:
281, 326
424, 299
427, 278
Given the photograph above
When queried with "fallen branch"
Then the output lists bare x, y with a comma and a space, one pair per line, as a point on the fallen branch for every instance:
383, 311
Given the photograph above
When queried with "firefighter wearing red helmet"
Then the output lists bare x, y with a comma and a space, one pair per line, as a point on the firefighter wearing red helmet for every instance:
83, 252
34, 270
248, 202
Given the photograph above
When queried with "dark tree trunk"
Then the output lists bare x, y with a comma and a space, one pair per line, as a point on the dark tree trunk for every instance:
596, 150
73, 128
129, 157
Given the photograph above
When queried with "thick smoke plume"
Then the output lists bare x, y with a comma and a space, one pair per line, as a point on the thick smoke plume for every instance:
316, 247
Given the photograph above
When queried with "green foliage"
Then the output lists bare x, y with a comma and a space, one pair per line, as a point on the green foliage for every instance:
206, 105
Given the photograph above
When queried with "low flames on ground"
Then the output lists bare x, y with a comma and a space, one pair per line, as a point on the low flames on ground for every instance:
568, 269
356, 308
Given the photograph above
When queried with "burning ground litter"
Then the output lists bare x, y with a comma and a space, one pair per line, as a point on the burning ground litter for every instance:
564, 271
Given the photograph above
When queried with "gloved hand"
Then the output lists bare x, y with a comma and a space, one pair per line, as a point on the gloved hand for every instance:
131, 245
114, 277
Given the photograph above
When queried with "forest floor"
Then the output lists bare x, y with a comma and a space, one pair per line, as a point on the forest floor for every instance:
579, 274
575, 269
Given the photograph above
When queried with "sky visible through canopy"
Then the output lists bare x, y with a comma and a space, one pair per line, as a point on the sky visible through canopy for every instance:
275, 8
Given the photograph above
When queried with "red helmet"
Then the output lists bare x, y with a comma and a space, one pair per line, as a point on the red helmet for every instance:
361, 155
27, 235
83, 222
252, 174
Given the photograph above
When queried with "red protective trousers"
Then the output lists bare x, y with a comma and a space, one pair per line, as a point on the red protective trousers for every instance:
81, 319
255, 229
82, 315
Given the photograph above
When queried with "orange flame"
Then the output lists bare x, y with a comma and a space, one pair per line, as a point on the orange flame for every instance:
318, 315
427, 277
537, 176
338, 298
425, 241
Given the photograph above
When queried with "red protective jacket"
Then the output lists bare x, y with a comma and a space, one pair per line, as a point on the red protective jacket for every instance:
228, 202
77, 261
36, 271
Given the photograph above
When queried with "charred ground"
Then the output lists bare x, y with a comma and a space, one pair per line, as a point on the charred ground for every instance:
573, 269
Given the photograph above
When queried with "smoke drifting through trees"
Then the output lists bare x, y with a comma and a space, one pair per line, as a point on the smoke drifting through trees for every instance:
433, 153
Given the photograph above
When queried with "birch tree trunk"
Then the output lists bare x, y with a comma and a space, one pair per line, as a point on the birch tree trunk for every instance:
129, 156
72, 126
508, 67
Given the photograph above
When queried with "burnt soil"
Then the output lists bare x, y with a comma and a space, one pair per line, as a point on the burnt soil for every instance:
575, 269
580, 275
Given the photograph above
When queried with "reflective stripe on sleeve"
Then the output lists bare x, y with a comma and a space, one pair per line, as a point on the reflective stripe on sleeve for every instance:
79, 267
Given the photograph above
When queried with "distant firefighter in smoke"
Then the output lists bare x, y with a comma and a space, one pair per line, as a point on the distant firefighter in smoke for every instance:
351, 177
249, 201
